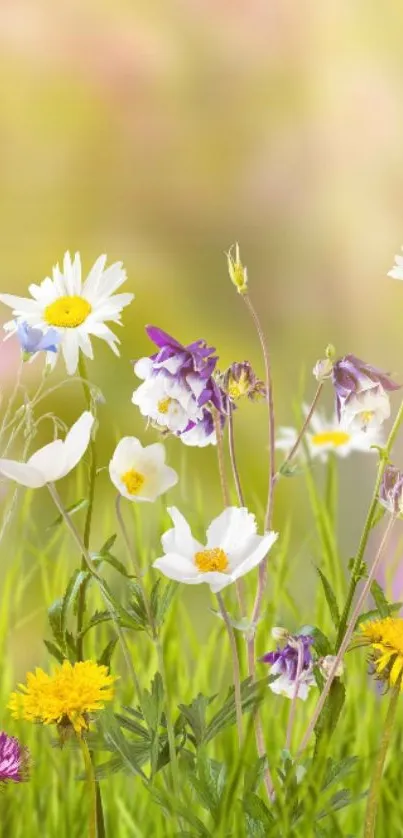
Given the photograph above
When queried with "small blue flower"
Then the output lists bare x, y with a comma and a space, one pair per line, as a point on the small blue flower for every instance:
34, 340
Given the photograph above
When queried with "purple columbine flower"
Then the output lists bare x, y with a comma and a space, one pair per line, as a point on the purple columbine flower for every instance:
13, 760
391, 490
34, 340
179, 391
284, 663
352, 378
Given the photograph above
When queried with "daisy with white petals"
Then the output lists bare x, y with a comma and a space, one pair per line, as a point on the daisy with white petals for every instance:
53, 461
77, 309
140, 474
233, 549
325, 436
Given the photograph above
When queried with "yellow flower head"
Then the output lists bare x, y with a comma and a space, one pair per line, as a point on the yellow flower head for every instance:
386, 639
65, 698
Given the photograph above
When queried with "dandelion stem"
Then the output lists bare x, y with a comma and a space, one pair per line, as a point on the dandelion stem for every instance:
89, 565
356, 570
376, 780
347, 637
81, 602
92, 787
293, 708
235, 664
300, 436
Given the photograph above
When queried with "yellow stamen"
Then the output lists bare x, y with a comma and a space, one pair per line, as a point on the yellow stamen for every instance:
335, 438
134, 481
67, 312
366, 417
163, 405
215, 559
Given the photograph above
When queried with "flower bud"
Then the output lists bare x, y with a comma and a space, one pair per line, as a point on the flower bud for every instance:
279, 633
323, 369
326, 665
391, 490
240, 380
238, 273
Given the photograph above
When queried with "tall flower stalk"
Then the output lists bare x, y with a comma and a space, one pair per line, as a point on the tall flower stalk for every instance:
81, 603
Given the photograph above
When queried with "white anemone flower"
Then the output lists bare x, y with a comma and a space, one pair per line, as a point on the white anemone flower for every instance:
53, 461
140, 474
233, 548
366, 411
397, 270
325, 436
77, 309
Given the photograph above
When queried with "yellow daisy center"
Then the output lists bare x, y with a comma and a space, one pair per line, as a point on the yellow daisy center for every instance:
67, 312
335, 438
163, 405
133, 480
215, 559
366, 416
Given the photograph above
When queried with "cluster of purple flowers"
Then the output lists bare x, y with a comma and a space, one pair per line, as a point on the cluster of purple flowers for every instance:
284, 663
14, 759
179, 392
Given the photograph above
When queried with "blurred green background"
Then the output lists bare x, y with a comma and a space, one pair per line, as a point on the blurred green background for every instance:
160, 133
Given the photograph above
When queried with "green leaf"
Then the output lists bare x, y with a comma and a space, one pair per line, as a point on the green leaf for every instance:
195, 715
380, 599
173, 806
152, 705
71, 594
107, 558
106, 657
337, 770
252, 694
254, 775
259, 819
208, 782
330, 598
55, 621
380, 512
109, 543
96, 619
116, 742
75, 507
371, 615
330, 715
55, 651
160, 601
321, 644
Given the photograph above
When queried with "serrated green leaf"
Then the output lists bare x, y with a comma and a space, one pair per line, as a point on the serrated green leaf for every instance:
321, 644
71, 594
195, 715
380, 599
252, 694
337, 770
106, 657
161, 600
254, 775
379, 513
55, 651
257, 815
107, 558
114, 738
371, 615
55, 621
330, 715
330, 598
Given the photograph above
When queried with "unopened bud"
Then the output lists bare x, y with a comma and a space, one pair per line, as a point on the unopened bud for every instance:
238, 273
323, 369
326, 665
280, 633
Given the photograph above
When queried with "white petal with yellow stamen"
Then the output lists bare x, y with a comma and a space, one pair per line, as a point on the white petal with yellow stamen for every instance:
140, 474
324, 436
77, 309
233, 549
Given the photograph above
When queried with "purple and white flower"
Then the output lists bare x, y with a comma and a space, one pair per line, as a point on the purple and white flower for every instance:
391, 490
179, 391
13, 760
361, 393
284, 662
34, 340
240, 380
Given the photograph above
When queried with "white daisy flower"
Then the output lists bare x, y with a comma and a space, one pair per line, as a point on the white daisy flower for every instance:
329, 435
233, 548
75, 308
140, 474
53, 461
397, 270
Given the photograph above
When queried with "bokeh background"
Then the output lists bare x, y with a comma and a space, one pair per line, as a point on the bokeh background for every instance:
160, 133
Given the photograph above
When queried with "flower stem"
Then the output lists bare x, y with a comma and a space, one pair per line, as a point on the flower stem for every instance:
231, 442
347, 637
356, 570
81, 602
293, 708
157, 642
299, 438
89, 565
239, 584
235, 665
376, 780
92, 789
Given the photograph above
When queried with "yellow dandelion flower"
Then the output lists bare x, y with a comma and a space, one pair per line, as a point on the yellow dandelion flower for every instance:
386, 639
67, 697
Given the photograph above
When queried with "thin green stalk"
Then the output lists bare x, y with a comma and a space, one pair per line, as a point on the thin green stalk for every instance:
356, 570
234, 464
89, 565
156, 640
235, 666
92, 788
376, 780
81, 602
291, 454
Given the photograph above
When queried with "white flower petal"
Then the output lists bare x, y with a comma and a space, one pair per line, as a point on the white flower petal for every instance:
50, 460
22, 473
70, 349
20, 305
232, 529
77, 441
260, 551
180, 539
178, 567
